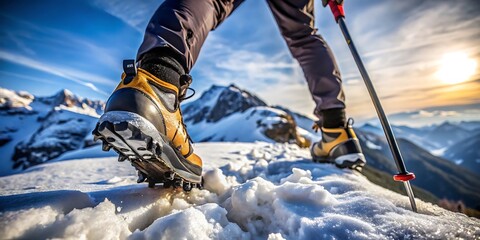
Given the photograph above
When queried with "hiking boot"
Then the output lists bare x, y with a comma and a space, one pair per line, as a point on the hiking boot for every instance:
339, 146
144, 124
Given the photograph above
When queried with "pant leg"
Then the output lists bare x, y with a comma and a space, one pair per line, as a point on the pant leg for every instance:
183, 25
295, 18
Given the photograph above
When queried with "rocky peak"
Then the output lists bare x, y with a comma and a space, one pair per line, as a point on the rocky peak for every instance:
67, 99
15, 102
63, 97
219, 102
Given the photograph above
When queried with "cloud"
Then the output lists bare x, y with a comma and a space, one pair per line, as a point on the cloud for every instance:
78, 77
134, 13
435, 115
427, 114
277, 78
402, 52
27, 77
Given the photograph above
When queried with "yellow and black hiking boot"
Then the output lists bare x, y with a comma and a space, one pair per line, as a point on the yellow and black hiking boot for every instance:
339, 146
144, 124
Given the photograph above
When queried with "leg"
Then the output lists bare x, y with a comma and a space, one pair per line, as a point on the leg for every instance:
339, 144
183, 26
296, 22
142, 120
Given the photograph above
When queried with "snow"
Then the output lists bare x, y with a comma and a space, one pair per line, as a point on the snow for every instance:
252, 191
372, 145
233, 127
12, 99
84, 109
439, 152
458, 161
41, 128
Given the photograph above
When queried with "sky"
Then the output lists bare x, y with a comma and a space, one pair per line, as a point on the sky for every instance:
423, 56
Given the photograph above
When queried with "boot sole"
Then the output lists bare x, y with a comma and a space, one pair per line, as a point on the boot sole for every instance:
355, 161
352, 161
135, 139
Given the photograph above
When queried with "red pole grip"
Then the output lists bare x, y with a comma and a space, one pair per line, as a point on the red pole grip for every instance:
404, 177
337, 10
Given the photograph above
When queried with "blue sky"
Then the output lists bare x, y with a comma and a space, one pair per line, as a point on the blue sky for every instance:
49, 45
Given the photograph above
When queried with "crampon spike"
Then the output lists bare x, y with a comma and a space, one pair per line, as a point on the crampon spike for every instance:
106, 147
122, 158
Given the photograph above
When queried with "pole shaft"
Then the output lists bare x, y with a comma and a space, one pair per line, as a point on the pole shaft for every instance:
381, 114
411, 197
376, 101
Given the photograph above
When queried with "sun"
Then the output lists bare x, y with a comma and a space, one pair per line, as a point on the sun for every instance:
456, 67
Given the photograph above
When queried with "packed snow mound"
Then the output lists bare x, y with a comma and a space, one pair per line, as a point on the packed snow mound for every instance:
252, 191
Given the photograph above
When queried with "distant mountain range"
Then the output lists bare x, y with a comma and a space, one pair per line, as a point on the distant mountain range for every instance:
453, 141
439, 176
35, 130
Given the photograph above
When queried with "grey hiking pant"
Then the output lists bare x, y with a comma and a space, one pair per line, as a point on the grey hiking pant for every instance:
183, 25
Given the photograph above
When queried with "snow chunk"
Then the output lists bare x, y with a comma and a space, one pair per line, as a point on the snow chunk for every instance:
17, 224
216, 182
87, 223
298, 176
205, 222
275, 236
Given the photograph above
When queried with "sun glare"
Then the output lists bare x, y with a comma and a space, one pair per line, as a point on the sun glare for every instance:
456, 67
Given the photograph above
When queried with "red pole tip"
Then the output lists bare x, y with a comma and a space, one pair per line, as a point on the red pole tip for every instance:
403, 177
337, 10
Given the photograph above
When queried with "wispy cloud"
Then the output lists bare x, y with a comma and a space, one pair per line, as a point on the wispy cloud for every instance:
134, 13
29, 36
78, 77
16, 76
277, 78
436, 115
402, 53
427, 114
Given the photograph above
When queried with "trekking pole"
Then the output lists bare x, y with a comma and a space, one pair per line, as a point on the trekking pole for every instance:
403, 175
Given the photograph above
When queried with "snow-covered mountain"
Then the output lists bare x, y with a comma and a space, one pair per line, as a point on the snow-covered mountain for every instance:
252, 191
437, 175
447, 134
434, 137
416, 135
466, 153
37, 129
232, 112
456, 142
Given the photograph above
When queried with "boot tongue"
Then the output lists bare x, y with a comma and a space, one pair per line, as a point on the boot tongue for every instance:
163, 66
163, 73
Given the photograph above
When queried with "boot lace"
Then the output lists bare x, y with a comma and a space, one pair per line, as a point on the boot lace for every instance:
185, 81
